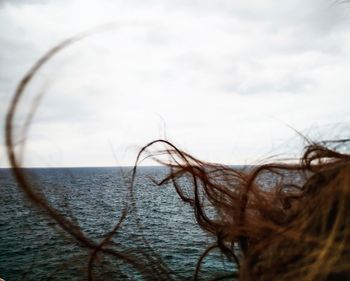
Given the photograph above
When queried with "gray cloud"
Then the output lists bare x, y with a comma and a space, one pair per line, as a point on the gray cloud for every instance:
292, 84
207, 67
19, 3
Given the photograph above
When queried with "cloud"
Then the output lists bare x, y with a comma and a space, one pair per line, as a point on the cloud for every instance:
23, 2
223, 75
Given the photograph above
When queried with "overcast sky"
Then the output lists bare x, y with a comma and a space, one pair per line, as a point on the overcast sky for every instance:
224, 80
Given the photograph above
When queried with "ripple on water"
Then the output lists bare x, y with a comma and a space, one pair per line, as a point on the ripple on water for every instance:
33, 248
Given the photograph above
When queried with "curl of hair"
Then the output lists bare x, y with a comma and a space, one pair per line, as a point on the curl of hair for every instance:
295, 228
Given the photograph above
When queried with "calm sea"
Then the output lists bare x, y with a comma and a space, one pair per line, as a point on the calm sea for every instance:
32, 247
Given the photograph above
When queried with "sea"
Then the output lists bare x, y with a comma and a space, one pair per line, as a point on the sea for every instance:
158, 224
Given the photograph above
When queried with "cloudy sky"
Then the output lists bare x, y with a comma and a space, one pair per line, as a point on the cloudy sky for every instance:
224, 80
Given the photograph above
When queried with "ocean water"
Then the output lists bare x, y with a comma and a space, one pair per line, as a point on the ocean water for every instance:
33, 247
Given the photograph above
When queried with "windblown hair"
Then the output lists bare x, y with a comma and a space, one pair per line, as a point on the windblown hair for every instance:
296, 227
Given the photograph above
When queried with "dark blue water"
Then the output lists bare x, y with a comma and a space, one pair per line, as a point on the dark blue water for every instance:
33, 247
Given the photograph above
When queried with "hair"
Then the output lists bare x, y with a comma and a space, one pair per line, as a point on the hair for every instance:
296, 227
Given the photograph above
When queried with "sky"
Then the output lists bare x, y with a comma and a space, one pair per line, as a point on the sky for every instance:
227, 81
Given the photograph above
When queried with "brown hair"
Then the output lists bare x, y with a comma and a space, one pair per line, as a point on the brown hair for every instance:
294, 228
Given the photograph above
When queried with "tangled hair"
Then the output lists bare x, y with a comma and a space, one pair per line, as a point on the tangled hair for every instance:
295, 226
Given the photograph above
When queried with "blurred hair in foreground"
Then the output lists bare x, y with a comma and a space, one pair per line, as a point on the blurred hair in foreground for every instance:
295, 229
